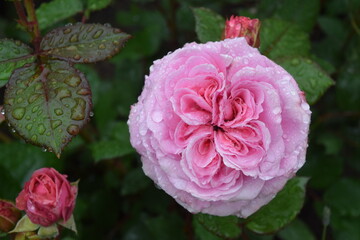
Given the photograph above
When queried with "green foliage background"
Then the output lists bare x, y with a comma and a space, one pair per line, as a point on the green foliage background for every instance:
117, 201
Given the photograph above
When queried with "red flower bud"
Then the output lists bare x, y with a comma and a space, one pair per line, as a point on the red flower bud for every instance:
9, 215
243, 27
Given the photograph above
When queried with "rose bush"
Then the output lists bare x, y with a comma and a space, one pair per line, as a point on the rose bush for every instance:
47, 197
220, 127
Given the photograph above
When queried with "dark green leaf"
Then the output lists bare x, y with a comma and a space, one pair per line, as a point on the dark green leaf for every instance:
223, 227
13, 54
84, 43
134, 182
202, 233
117, 146
57, 10
97, 4
345, 227
296, 230
309, 75
301, 12
283, 39
281, 210
166, 227
48, 105
209, 25
344, 197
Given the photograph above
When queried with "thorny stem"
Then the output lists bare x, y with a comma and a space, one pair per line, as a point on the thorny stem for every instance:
29, 21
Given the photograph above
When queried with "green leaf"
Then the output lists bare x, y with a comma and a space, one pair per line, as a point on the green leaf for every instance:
296, 230
202, 233
345, 227
117, 146
57, 10
309, 75
209, 25
69, 224
25, 225
281, 210
134, 182
13, 54
283, 39
301, 12
344, 197
97, 4
48, 232
49, 104
83, 43
223, 227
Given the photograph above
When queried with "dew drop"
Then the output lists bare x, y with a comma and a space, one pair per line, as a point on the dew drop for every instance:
13, 130
116, 43
18, 113
35, 109
41, 129
43, 149
77, 57
3, 111
157, 116
67, 30
58, 111
97, 34
62, 93
20, 100
29, 126
33, 138
55, 123
78, 111
27, 117
20, 91
74, 38
73, 130
276, 110
83, 91
91, 114
33, 97
73, 81
305, 106
68, 24
102, 46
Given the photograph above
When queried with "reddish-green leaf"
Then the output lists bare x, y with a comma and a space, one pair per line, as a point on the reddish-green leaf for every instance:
83, 43
13, 54
48, 104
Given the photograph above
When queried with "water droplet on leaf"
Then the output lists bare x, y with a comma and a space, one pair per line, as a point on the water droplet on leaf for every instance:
18, 113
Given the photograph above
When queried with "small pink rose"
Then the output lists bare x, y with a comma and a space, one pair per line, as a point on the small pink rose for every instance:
47, 197
243, 27
220, 127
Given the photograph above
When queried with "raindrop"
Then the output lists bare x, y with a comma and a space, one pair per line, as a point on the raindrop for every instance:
77, 57
98, 33
102, 46
67, 30
35, 109
29, 126
83, 91
20, 100
157, 116
3, 111
43, 149
55, 123
33, 97
18, 113
276, 110
68, 24
91, 114
78, 111
74, 38
73, 130
305, 106
13, 130
73, 81
41, 129
58, 111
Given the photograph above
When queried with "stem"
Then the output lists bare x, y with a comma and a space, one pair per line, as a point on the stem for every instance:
323, 236
21, 13
33, 24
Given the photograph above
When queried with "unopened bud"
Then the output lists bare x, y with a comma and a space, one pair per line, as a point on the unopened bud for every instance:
9, 215
243, 27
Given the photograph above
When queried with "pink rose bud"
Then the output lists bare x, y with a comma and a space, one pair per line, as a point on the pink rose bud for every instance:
9, 215
220, 127
47, 197
243, 27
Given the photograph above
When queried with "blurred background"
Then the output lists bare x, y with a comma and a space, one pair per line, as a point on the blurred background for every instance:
116, 200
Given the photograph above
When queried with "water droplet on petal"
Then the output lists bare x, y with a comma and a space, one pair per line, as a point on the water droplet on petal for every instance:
276, 110
305, 106
157, 116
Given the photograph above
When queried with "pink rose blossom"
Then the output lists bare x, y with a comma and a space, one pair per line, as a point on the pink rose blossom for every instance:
240, 26
47, 197
220, 127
